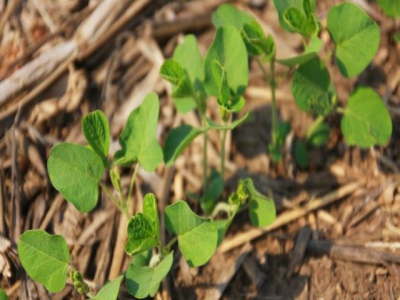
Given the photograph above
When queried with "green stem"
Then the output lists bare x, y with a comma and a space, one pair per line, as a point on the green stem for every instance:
131, 184
221, 207
315, 124
205, 142
171, 243
224, 133
272, 83
114, 201
340, 110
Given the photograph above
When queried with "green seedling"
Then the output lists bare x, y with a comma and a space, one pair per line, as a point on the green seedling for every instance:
77, 172
3, 295
366, 121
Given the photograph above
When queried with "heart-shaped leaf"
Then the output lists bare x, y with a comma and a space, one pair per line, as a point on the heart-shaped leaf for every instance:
110, 290
141, 235
97, 133
76, 171
357, 42
310, 87
138, 139
227, 55
143, 281
177, 140
45, 258
366, 121
197, 237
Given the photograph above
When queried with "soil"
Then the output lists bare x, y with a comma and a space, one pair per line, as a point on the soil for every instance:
346, 249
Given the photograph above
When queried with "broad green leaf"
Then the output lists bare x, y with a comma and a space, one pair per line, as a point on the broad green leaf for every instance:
177, 140
45, 258
310, 87
390, 7
76, 171
150, 210
228, 14
301, 153
261, 208
97, 133
281, 6
110, 290
138, 139
306, 25
142, 234
172, 71
213, 125
142, 259
310, 52
143, 281
318, 135
357, 41
256, 42
3, 295
187, 54
197, 237
229, 53
366, 121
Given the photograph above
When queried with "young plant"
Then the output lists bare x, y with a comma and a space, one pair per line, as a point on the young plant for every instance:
366, 121
76, 171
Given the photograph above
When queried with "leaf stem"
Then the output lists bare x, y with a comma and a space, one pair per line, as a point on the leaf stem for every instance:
223, 140
131, 184
316, 123
205, 143
114, 201
171, 243
340, 110
272, 83
221, 207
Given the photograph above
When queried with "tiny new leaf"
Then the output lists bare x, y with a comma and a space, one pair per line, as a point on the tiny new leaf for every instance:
228, 54
138, 139
357, 42
97, 133
144, 228
256, 41
281, 6
197, 237
76, 171
366, 121
177, 140
110, 290
310, 87
45, 258
172, 71
306, 25
144, 281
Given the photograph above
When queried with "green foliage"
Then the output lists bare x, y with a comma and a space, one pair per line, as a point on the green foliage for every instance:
3, 295
144, 228
256, 42
76, 171
177, 140
213, 193
366, 121
357, 42
228, 14
278, 140
310, 87
143, 280
138, 139
97, 133
301, 153
197, 236
172, 71
281, 6
310, 52
110, 290
45, 258
318, 135
390, 7
303, 20
226, 68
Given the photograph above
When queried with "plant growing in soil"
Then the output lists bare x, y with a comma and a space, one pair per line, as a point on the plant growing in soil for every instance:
365, 120
76, 171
